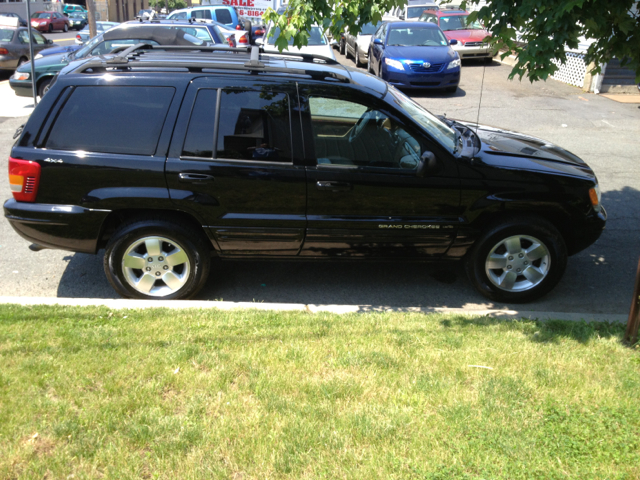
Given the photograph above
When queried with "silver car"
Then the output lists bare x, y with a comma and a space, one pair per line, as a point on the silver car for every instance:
83, 35
14, 46
357, 46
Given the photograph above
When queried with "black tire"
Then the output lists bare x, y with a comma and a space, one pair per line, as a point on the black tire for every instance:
43, 86
65, 29
547, 270
347, 55
172, 237
356, 57
50, 28
342, 47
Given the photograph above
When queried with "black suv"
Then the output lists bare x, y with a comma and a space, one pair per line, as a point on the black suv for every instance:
167, 158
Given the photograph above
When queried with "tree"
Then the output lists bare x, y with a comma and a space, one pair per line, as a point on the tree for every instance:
536, 31
170, 5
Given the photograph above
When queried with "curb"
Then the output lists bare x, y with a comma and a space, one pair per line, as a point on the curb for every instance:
118, 304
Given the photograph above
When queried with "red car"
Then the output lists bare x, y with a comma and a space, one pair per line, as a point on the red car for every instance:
470, 35
49, 21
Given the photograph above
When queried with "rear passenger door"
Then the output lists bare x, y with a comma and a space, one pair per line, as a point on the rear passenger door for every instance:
234, 163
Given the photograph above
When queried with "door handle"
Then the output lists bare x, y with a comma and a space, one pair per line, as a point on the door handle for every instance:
195, 177
333, 186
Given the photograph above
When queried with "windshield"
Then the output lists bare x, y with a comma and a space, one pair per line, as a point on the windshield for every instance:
83, 52
41, 15
459, 22
439, 130
416, 36
6, 35
315, 37
414, 12
369, 29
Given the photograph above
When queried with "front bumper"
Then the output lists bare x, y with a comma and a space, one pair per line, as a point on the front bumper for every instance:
64, 227
471, 51
442, 79
588, 232
22, 88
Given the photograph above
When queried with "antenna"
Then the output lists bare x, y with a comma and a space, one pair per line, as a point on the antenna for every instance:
484, 68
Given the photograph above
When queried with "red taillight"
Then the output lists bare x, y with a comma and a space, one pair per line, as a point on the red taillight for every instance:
244, 39
4, 51
238, 27
78, 37
24, 179
259, 32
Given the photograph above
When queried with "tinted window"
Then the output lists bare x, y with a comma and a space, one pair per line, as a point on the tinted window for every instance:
6, 34
112, 119
199, 140
223, 16
348, 133
38, 38
254, 125
201, 14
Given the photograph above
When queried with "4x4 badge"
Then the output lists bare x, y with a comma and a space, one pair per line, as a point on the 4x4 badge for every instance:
53, 160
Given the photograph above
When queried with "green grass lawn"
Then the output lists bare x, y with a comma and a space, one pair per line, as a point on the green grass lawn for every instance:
94, 393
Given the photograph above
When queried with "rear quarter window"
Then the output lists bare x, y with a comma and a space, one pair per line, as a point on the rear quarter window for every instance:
223, 16
112, 119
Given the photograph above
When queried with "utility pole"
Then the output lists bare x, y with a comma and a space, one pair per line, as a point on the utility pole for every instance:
91, 16
631, 335
166, 6
33, 67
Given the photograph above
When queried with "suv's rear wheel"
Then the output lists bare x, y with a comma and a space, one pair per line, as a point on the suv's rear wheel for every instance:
518, 260
157, 259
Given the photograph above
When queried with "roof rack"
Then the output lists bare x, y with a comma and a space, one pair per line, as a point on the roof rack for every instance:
142, 55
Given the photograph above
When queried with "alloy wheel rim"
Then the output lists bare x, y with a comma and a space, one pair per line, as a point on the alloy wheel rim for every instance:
156, 266
518, 263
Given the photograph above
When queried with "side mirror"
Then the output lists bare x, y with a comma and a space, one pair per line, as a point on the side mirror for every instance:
428, 164
377, 41
453, 41
49, 41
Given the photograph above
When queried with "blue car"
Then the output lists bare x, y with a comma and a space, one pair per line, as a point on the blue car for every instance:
414, 55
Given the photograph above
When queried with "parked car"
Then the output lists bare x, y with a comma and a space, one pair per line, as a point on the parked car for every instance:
357, 46
220, 13
165, 170
57, 50
21, 21
146, 14
14, 46
471, 36
78, 21
49, 21
70, 8
318, 43
84, 35
414, 55
129, 33
412, 11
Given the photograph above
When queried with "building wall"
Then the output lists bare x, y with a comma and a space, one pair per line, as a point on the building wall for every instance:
19, 7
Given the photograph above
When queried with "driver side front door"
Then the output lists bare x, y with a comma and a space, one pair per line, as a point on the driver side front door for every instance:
364, 194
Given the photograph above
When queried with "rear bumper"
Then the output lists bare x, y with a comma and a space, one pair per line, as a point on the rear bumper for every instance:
473, 52
8, 62
64, 227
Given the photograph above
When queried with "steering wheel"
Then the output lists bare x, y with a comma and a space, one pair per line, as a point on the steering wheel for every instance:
360, 125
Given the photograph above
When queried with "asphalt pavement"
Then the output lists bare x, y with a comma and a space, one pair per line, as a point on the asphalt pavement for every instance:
598, 280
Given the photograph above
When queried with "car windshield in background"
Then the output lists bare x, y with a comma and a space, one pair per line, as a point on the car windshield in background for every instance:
413, 12
438, 129
315, 37
416, 37
459, 22
6, 35
40, 15
369, 29
77, 15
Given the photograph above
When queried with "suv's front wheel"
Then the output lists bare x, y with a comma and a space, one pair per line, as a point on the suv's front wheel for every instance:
157, 259
518, 260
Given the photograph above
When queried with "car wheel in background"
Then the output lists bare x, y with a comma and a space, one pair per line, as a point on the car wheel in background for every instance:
357, 59
517, 260
50, 28
346, 51
43, 86
65, 28
341, 50
157, 259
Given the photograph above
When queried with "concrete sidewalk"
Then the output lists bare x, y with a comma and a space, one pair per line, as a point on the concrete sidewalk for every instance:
13, 105
339, 309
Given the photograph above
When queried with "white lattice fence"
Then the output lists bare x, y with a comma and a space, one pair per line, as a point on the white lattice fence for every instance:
573, 71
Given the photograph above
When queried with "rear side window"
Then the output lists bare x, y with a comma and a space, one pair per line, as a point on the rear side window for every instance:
254, 125
199, 140
223, 16
112, 119
201, 14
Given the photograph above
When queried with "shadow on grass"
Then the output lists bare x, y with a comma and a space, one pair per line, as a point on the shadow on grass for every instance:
546, 331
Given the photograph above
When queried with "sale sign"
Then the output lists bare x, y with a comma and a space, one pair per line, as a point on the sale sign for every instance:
248, 8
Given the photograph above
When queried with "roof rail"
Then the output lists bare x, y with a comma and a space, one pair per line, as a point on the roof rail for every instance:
142, 55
